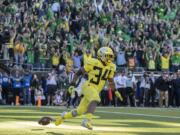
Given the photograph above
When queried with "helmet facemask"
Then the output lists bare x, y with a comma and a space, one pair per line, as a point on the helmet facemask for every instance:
109, 58
106, 55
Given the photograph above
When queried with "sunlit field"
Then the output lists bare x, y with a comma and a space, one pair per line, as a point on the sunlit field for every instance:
107, 121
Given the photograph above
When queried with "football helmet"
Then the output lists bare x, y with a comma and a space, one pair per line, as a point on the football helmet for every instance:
105, 54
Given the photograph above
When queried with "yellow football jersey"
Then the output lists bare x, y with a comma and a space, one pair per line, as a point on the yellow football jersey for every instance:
98, 73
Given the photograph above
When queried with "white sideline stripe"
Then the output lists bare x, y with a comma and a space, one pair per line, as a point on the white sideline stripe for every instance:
101, 107
140, 108
139, 114
108, 112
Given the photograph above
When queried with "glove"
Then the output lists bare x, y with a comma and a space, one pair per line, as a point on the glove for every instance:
71, 90
45, 120
118, 95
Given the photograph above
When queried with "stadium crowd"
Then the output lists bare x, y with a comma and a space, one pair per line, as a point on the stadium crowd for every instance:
63, 34
144, 90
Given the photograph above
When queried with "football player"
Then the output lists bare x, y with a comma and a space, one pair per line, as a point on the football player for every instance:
99, 71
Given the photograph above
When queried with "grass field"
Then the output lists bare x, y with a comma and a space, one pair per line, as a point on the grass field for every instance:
107, 121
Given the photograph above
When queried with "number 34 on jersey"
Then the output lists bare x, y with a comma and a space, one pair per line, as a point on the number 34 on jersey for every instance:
99, 73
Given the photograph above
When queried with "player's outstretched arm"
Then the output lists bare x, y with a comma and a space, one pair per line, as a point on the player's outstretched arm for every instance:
112, 85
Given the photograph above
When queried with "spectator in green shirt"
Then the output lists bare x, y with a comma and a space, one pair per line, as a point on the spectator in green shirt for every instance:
175, 61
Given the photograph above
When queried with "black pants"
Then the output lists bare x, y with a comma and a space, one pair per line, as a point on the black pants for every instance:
172, 97
16, 92
130, 95
5, 94
177, 97
32, 96
113, 101
51, 89
104, 98
10, 96
68, 99
122, 91
149, 97
152, 97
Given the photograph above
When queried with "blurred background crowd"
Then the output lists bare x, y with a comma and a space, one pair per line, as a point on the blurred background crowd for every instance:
63, 34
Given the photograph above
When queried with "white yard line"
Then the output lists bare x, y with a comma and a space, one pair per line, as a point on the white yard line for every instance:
25, 126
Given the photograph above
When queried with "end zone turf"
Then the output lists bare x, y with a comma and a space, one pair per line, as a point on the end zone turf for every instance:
107, 121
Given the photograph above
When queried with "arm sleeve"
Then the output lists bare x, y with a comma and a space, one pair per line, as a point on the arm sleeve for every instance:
113, 70
88, 66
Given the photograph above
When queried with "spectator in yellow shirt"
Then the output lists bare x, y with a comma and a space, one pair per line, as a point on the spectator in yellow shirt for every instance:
69, 63
19, 51
165, 61
55, 60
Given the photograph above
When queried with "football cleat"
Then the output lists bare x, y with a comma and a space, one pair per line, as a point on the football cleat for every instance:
60, 119
87, 124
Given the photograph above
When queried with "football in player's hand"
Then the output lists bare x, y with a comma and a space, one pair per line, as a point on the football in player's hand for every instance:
45, 121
